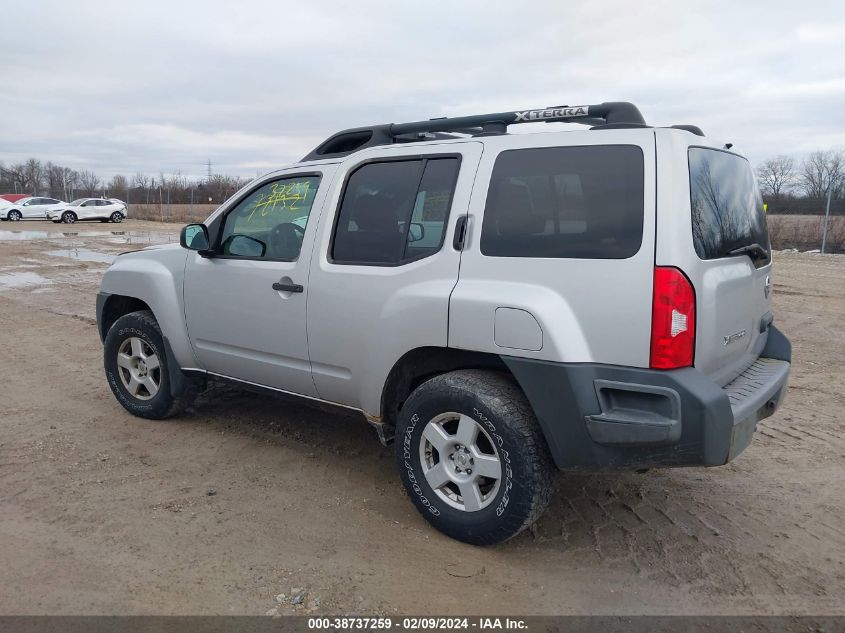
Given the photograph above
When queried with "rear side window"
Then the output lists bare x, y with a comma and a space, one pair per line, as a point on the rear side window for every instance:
394, 212
565, 202
727, 209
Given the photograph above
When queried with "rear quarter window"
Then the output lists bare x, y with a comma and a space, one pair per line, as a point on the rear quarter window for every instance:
726, 205
565, 202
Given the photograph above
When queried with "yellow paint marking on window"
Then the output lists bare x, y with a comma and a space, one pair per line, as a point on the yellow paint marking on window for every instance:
283, 196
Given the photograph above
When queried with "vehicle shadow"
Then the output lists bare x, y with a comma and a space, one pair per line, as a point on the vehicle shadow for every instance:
677, 526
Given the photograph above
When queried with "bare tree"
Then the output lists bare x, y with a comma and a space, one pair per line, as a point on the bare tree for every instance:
70, 182
821, 172
89, 182
55, 177
140, 181
144, 183
33, 174
14, 175
119, 185
776, 175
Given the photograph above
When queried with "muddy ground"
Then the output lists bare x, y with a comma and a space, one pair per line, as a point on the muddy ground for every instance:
247, 497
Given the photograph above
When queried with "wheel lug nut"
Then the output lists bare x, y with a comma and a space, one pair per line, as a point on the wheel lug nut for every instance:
469, 471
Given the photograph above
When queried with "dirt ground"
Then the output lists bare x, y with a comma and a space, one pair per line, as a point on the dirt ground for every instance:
247, 497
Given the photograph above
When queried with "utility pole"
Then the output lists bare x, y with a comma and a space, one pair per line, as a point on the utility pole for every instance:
209, 170
826, 217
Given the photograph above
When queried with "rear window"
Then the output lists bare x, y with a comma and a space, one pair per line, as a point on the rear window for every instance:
727, 209
565, 202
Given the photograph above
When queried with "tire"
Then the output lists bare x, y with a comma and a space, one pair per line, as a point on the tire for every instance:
14, 216
116, 217
68, 217
139, 332
506, 430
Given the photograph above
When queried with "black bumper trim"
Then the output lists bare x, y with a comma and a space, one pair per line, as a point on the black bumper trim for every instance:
647, 418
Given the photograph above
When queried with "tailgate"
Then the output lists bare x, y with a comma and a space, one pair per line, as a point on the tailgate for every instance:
733, 308
732, 288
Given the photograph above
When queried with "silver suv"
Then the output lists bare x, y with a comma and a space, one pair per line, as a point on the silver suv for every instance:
502, 305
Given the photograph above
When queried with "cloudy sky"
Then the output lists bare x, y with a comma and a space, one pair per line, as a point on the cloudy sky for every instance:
122, 87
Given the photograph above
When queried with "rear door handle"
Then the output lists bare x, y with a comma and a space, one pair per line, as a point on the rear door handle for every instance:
287, 287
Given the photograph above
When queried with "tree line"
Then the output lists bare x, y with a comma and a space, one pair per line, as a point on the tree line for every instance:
788, 185
37, 178
802, 187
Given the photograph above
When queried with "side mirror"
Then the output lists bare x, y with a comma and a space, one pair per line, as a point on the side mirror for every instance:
416, 232
245, 246
194, 237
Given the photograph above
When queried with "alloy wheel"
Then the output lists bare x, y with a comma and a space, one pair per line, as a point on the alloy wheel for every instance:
460, 461
139, 368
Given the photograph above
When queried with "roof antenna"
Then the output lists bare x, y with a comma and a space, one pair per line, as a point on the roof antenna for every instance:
728, 145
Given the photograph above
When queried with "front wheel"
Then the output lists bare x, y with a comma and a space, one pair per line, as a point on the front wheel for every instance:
14, 216
137, 368
68, 217
472, 457
116, 217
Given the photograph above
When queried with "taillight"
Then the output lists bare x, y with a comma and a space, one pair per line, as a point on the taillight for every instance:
672, 320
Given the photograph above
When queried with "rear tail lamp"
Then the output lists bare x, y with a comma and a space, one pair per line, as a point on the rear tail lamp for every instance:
672, 320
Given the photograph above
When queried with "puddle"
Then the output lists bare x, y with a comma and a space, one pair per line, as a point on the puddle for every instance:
143, 239
117, 237
22, 280
22, 236
84, 255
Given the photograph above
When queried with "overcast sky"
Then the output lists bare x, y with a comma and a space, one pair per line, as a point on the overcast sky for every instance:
121, 87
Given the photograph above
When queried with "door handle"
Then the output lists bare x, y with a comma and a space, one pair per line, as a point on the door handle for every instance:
287, 287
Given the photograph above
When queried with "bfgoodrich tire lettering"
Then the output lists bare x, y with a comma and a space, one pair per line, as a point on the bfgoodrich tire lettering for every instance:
142, 326
498, 406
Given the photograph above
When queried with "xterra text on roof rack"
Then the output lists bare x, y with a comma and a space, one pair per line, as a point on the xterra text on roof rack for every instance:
501, 305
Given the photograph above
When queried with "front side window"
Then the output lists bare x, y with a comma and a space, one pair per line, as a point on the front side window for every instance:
727, 208
394, 212
270, 222
565, 202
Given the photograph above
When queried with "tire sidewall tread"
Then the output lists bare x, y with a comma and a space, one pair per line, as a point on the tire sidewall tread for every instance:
144, 326
496, 402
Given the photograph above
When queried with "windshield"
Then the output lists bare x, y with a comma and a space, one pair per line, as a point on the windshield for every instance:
727, 209
76, 203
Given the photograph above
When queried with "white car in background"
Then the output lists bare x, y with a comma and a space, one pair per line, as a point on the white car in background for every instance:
103, 209
32, 208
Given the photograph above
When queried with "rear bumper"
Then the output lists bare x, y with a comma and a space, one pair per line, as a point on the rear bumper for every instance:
606, 417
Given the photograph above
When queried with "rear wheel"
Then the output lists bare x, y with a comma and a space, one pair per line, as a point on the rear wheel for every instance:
472, 456
15, 216
116, 217
137, 368
68, 217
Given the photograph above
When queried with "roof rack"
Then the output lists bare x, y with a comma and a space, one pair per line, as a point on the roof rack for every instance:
613, 114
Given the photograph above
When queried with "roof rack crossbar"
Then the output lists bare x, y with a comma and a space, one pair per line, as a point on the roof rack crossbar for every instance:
609, 113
